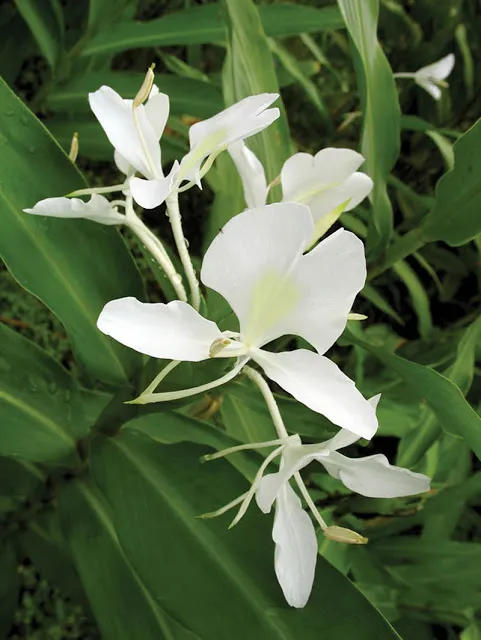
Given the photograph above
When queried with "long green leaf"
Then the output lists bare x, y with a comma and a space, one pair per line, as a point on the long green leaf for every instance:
45, 20
202, 25
220, 582
381, 127
251, 70
40, 403
74, 267
455, 218
122, 605
442, 396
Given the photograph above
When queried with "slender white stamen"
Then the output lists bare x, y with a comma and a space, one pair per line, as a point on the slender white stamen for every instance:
250, 494
160, 376
219, 512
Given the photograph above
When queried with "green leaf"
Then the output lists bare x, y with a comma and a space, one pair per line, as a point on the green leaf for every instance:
104, 12
455, 217
73, 266
381, 127
8, 587
122, 605
41, 407
442, 396
45, 20
250, 70
418, 295
187, 95
203, 25
220, 581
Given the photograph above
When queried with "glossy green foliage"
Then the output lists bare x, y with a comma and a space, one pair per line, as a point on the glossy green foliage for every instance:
71, 268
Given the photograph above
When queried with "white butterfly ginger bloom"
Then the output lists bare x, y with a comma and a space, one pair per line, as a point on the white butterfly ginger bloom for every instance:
328, 183
239, 121
257, 264
134, 130
433, 76
98, 209
293, 531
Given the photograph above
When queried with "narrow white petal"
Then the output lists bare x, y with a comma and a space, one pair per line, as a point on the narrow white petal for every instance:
374, 477
251, 173
97, 209
439, 70
174, 331
431, 88
296, 548
123, 164
151, 193
320, 385
251, 262
157, 111
117, 120
239, 121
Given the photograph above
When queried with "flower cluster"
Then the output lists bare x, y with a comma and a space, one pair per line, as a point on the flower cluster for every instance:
279, 280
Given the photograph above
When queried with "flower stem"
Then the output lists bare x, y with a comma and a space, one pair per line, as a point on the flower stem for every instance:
156, 248
173, 211
186, 393
159, 377
91, 190
270, 401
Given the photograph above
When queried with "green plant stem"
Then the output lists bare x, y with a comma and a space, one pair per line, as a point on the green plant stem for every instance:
422, 440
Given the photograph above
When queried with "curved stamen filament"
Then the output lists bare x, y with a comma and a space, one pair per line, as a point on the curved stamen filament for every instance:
160, 376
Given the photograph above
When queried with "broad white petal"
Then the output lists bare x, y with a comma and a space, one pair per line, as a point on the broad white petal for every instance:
251, 172
439, 70
430, 87
151, 193
97, 209
251, 261
320, 385
174, 331
123, 164
374, 477
117, 120
239, 121
296, 548
329, 276
157, 110
304, 176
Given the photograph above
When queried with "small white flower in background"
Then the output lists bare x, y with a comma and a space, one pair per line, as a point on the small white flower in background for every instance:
257, 264
239, 121
433, 76
293, 531
134, 130
328, 183
98, 209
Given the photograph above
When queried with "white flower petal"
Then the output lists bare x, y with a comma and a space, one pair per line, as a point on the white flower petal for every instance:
117, 120
329, 276
123, 164
157, 110
151, 193
320, 385
251, 172
239, 121
250, 264
439, 70
97, 209
430, 87
374, 477
296, 548
174, 331
304, 176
